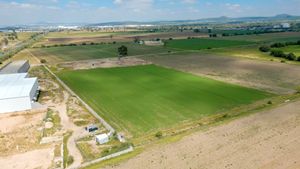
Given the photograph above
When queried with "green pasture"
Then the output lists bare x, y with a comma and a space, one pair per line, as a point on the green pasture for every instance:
148, 98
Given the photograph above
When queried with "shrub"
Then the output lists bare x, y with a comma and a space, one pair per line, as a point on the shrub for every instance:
298, 42
43, 61
290, 43
159, 134
270, 102
170, 38
278, 45
291, 56
278, 53
298, 59
83, 43
264, 48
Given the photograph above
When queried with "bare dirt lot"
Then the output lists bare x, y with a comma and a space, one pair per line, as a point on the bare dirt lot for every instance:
19, 132
266, 75
104, 63
33, 159
266, 140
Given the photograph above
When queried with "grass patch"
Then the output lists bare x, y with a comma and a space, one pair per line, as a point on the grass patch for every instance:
148, 98
54, 118
198, 44
68, 159
292, 49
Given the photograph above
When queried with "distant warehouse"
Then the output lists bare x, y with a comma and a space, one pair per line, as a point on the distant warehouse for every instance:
21, 66
18, 92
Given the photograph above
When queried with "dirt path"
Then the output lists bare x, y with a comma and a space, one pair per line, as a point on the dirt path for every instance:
70, 126
267, 140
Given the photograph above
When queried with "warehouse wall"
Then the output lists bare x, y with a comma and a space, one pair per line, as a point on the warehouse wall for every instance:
15, 104
34, 89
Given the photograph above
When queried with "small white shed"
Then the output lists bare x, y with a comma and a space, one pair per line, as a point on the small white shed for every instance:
102, 138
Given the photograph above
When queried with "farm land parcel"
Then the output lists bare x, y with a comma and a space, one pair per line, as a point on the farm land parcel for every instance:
148, 98
201, 43
84, 52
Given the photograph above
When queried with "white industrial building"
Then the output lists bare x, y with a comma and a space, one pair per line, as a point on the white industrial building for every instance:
17, 92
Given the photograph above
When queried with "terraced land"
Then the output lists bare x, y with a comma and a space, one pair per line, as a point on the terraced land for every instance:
148, 98
202, 43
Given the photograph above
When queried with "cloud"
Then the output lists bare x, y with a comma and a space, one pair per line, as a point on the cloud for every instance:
189, 1
135, 5
234, 7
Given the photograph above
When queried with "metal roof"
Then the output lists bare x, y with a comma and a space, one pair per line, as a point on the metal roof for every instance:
15, 85
14, 67
102, 136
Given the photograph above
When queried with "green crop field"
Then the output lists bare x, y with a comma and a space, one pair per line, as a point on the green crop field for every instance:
198, 44
292, 49
148, 98
267, 37
71, 53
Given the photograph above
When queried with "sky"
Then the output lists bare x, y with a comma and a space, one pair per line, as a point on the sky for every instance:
18, 12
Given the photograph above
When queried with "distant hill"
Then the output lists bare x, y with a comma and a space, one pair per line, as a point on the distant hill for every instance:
222, 19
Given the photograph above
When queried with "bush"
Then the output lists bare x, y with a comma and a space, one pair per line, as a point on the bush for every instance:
298, 59
278, 45
291, 56
264, 48
278, 53
43, 61
298, 42
159, 134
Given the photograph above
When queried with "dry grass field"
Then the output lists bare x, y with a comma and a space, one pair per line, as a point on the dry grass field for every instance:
271, 76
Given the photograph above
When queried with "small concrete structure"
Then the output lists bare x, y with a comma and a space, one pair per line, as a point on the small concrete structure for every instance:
102, 138
21, 66
153, 42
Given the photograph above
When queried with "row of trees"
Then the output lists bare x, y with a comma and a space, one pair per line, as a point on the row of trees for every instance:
279, 53
74, 44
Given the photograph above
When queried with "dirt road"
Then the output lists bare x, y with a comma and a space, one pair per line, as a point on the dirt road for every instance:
70, 126
266, 140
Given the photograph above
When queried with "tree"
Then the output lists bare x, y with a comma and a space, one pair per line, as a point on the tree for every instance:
278, 53
196, 30
291, 56
123, 51
136, 39
277, 45
264, 48
5, 41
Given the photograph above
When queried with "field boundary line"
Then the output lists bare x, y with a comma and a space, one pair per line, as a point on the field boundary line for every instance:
128, 150
105, 124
